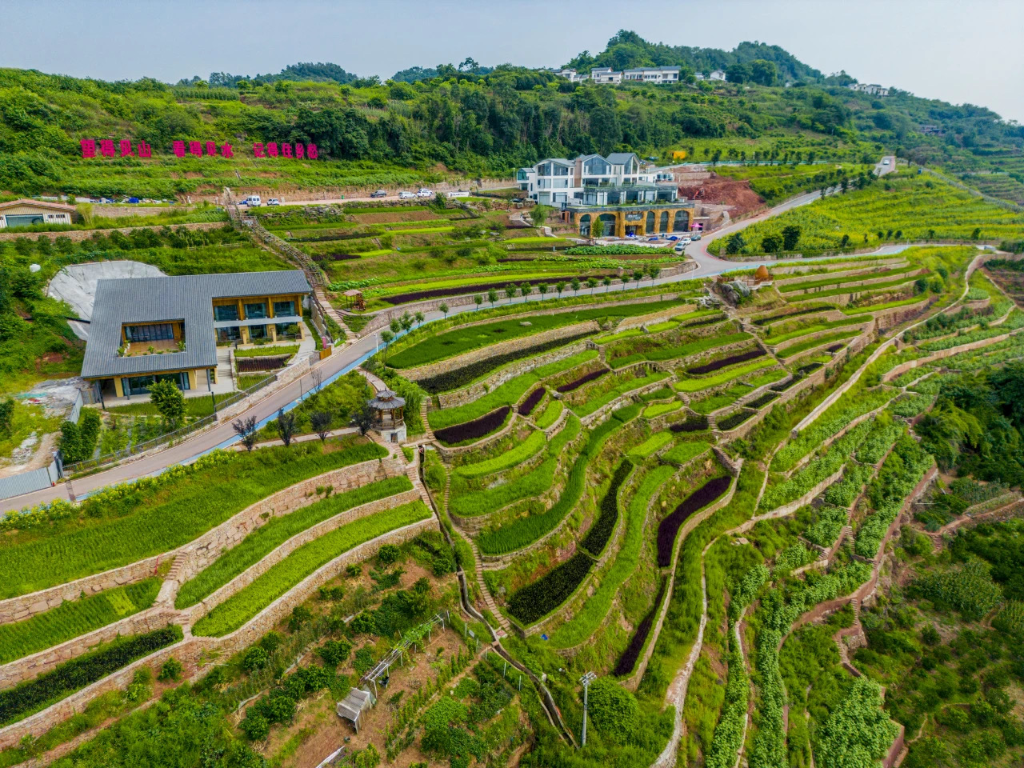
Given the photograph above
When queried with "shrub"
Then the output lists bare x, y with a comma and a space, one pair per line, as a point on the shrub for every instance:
171, 670
255, 658
387, 554
334, 652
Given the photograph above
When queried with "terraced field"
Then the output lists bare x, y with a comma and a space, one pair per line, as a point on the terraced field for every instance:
667, 499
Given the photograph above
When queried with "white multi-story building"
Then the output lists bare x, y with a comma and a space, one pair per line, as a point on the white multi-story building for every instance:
873, 90
557, 181
656, 75
718, 74
606, 75
570, 74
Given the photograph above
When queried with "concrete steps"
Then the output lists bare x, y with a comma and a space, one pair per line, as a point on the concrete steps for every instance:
428, 431
488, 600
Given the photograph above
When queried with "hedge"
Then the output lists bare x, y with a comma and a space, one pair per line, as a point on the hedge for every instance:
76, 674
282, 576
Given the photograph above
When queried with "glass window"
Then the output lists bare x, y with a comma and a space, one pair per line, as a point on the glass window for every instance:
158, 332
24, 220
229, 312
284, 309
228, 334
258, 332
255, 311
287, 329
139, 385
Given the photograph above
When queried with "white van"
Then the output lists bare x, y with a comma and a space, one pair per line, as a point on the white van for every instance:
406, 195
253, 201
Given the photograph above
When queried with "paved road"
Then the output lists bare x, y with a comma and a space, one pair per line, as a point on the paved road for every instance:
351, 355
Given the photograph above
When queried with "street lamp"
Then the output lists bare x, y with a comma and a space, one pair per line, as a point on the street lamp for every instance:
585, 681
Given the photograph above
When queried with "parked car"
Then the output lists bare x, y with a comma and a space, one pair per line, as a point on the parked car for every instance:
406, 195
695, 236
886, 161
275, 201
424, 192
254, 201
379, 193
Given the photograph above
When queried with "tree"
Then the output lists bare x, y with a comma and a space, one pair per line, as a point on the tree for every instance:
478, 300
543, 289
560, 286
734, 244
406, 321
255, 659
396, 326
771, 243
387, 337
285, 426
790, 237
492, 295
387, 554
169, 401
510, 291
365, 419
638, 275
763, 72
246, 429
7, 416
625, 279
575, 285
654, 272
591, 284
321, 422
526, 289
607, 282
420, 318
445, 308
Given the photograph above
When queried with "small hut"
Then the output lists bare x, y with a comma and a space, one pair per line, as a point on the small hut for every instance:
354, 300
389, 409
352, 707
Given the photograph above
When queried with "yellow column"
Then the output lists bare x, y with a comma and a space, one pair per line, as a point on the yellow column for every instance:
118, 389
214, 375
193, 383
243, 331
273, 332
620, 224
270, 306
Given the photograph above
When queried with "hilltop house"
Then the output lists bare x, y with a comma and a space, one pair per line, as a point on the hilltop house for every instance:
655, 75
148, 329
718, 74
872, 90
606, 75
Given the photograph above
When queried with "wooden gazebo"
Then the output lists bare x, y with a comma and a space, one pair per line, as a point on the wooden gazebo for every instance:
389, 409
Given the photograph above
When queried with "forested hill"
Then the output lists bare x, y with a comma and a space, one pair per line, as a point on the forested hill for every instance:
467, 119
627, 50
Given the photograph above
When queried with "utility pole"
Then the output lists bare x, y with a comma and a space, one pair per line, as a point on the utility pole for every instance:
585, 681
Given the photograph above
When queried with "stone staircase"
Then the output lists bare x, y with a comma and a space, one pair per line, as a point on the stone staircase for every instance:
428, 432
321, 296
486, 593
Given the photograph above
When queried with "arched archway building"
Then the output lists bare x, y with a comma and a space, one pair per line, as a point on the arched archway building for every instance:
623, 220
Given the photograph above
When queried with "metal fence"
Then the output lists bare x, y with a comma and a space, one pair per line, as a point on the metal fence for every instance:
28, 482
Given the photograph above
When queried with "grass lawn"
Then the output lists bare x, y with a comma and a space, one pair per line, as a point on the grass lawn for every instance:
195, 407
268, 351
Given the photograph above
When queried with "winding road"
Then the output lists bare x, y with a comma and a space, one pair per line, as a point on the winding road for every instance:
349, 356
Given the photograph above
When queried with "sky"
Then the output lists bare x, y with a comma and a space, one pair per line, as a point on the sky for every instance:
955, 50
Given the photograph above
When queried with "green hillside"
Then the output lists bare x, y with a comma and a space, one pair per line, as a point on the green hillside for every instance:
466, 120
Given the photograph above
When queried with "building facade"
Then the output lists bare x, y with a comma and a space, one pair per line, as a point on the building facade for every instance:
149, 329
655, 75
874, 89
27, 213
557, 181
606, 75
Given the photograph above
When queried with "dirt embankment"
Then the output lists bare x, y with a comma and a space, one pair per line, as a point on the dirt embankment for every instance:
719, 190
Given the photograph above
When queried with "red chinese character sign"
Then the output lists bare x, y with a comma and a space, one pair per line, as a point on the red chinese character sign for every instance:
92, 148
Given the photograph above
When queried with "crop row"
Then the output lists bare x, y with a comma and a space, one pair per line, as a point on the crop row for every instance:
585, 623
902, 470
597, 401
74, 618
784, 491
627, 661
803, 346
763, 400
657, 409
276, 532
686, 451
608, 513
695, 424
451, 380
725, 362
550, 414
669, 527
471, 431
826, 528
585, 379
524, 531
762, 321
527, 449
696, 347
134, 521
734, 419
439, 293
74, 675
282, 576
695, 385
818, 327
509, 393
531, 402
831, 422
652, 444
838, 281
538, 599
845, 492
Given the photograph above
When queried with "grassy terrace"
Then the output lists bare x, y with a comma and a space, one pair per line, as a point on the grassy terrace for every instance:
130, 522
462, 340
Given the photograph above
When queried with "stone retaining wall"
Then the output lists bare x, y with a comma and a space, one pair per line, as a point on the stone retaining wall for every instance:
507, 373
193, 650
78, 235
942, 354
247, 577
867, 282
447, 454
788, 269
202, 551
862, 327
26, 668
501, 348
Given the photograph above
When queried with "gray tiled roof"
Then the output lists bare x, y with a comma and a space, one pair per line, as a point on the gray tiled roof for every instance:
155, 299
621, 158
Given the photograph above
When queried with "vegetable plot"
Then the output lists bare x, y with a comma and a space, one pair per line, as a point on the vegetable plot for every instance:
601, 529
473, 430
669, 527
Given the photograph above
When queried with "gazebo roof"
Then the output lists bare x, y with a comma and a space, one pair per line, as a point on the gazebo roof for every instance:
386, 400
